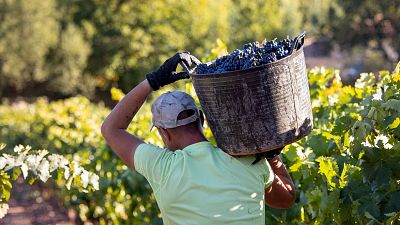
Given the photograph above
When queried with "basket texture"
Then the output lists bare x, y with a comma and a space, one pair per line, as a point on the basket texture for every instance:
258, 109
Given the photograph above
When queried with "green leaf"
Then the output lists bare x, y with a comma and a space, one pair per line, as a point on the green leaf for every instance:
389, 120
16, 173
346, 140
342, 124
5, 187
393, 220
371, 222
371, 113
32, 180
392, 104
290, 153
391, 214
393, 205
60, 175
369, 216
319, 144
361, 130
329, 168
395, 123
295, 166
344, 176
396, 147
383, 174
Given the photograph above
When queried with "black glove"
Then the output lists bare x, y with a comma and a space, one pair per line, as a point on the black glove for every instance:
268, 155
167, 74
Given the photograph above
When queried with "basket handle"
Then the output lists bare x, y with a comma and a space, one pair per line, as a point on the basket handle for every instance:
298, 42
186, 69
183, 65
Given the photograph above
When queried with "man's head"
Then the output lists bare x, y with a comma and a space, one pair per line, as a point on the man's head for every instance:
177, 119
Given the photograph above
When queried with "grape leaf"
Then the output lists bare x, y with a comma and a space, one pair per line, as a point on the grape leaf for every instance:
290, 153
393, 205
344, 176
16, 173
395, 123
319, 144
329, 168
392, 104
361, 130
32, 180
389, 120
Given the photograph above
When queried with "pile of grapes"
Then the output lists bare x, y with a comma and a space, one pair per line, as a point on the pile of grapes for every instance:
253, 54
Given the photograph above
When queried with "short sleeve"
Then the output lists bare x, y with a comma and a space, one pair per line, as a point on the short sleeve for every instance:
153, 163
269, 176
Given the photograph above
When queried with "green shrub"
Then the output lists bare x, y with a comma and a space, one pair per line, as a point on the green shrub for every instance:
346, 171
39, 164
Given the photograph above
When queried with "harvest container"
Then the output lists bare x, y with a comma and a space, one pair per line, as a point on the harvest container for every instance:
258, 109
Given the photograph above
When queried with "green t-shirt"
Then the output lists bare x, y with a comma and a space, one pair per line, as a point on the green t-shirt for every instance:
202, 185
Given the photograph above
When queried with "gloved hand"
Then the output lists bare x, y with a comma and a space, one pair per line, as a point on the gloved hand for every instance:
167, 74
268, 155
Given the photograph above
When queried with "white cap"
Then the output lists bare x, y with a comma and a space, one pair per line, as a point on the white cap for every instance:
167, 107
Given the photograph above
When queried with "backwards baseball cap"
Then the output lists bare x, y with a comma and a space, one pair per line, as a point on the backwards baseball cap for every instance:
167, 107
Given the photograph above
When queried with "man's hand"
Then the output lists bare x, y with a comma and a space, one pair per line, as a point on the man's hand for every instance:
167, 74
281, 194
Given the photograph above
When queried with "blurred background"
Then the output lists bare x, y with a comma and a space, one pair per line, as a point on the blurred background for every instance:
61, 48
79, 54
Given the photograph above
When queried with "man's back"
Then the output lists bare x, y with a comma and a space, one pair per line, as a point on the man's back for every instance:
201, 184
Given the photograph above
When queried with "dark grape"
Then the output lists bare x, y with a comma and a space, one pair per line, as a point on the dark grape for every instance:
253, 54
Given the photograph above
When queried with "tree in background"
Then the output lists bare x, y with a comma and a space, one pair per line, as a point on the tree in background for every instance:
27, 32
36, 49
87, 46
317, 15
67, 61
367, 24
256, 20
72, 47
128, 38
365, 28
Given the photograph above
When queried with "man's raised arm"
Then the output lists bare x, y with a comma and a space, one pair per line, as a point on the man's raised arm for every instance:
114, 126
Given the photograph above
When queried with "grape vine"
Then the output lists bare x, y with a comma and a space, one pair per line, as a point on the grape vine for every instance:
39, 164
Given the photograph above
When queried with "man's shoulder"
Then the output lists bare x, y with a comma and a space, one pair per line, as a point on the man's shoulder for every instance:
146, 148
147, 154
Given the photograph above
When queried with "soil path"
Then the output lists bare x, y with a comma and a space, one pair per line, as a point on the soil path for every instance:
28, 206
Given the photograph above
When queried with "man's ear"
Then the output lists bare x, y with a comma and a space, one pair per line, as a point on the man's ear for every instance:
165, 133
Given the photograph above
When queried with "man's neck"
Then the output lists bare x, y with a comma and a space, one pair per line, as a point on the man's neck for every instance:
192, 139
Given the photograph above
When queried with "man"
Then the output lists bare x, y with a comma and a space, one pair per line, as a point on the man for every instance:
193, 181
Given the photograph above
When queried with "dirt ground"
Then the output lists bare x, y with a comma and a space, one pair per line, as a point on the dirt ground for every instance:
32, 205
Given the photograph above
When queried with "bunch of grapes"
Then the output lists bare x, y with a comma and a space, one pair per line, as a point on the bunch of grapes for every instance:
253, 54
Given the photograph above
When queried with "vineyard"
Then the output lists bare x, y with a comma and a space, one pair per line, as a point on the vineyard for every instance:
346, 171
64, 64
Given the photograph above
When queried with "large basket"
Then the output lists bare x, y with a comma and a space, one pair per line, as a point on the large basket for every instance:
258, 109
